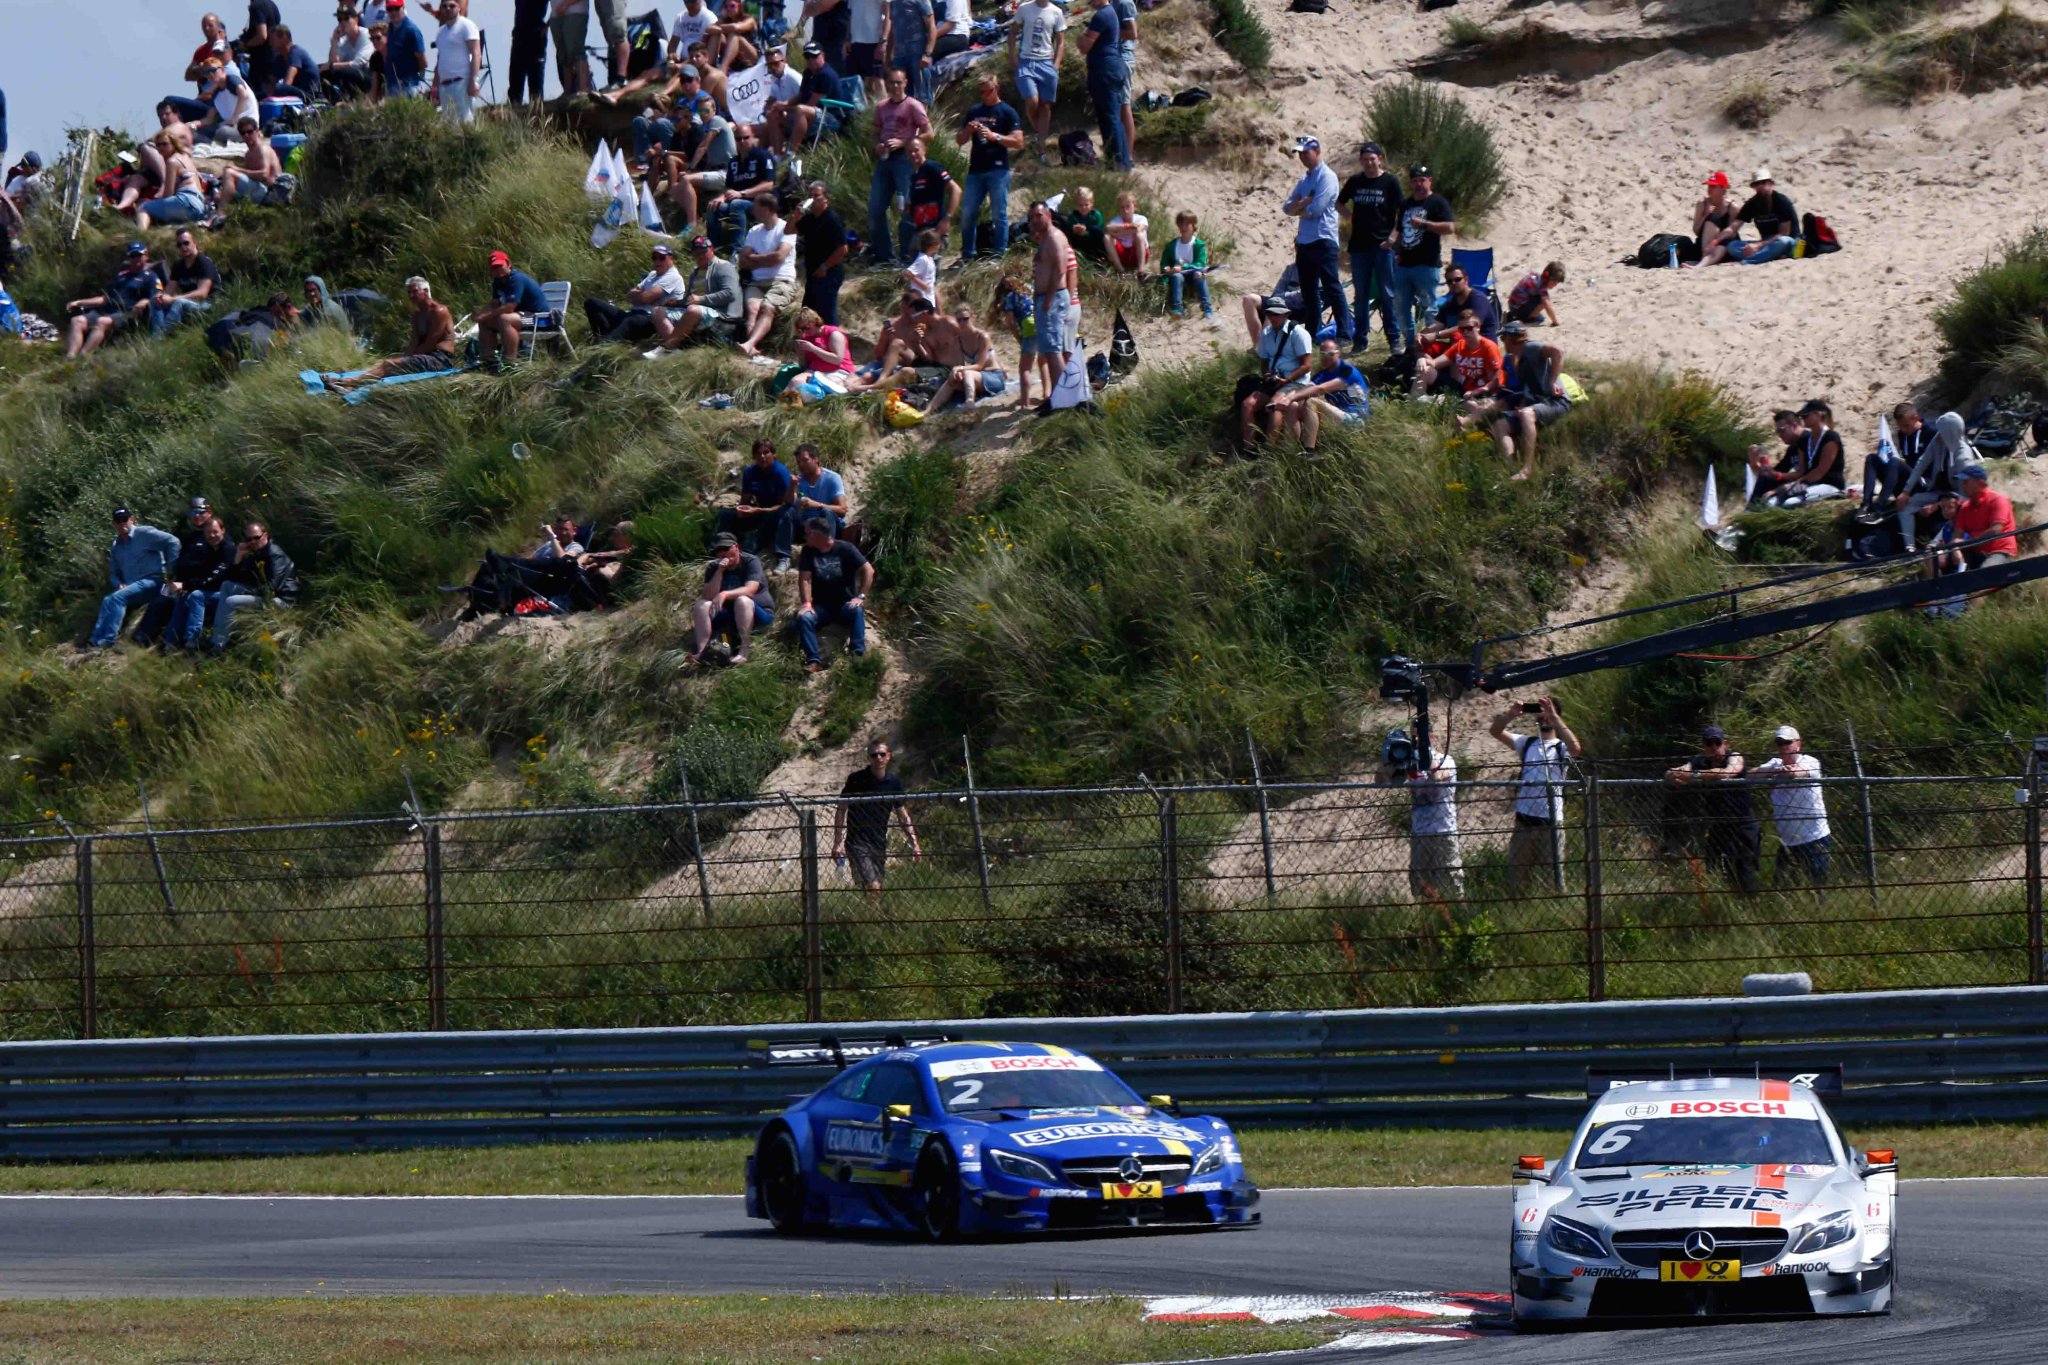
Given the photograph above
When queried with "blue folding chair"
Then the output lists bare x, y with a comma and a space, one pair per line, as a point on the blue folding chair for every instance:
837, 113
1477, 263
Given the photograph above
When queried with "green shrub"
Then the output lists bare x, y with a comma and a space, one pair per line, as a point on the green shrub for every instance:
850, 692
1420, 121
1990, 312
2008, 49
1749, 105
1242, 33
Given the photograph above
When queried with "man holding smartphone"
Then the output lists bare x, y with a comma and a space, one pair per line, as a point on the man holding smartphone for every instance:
1539, 800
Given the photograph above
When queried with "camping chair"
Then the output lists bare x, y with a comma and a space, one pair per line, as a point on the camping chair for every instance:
1477, 263
836, 114
644, 42
552, 325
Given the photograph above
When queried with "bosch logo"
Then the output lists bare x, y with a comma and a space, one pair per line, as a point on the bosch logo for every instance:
1640, 1111
1131, 1169
1699, 1245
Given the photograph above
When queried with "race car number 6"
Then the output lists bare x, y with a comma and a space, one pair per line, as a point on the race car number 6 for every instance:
1614, 1139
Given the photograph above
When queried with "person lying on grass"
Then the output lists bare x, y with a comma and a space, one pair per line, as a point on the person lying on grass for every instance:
432, 349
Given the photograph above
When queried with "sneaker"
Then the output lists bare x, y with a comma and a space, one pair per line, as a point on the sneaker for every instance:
813, 666
782, 564
959, 263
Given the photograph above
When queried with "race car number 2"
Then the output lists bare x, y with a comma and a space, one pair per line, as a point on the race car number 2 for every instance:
1700, 1272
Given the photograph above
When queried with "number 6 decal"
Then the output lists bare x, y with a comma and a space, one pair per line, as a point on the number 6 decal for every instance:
1613, 1140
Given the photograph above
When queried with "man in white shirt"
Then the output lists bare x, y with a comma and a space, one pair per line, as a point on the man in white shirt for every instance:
661, 287
1798, 808
1436, 869
1038, 41
458, 62
1537, 840
767, 263
781, 86
692, 24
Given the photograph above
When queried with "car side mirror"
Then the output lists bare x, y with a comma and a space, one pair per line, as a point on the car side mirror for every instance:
1165, 1102
896, 1112
1880, 1159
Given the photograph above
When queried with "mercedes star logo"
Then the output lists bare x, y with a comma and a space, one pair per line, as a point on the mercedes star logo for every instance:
1133, 1170
1699, 1245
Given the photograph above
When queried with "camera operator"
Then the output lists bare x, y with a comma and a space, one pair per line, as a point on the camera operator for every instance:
1539, 801
1436, 870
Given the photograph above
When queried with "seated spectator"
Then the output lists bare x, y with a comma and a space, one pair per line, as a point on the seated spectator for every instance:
768, 260
321, 305
736, 600
921, 277
1128, 237
1984, 521
293, 67
1529, 301
1885, 471
189, 291
556, 579
817, 493
757, 520
184, 197
516, 299
668, 75
1185, 264
248, 334
1010, 308
20, 184
654, 134
346, 72
780, 85
213, 48
232, 99
749, 173
1083, 226
432, 348
661, 287
137, 562
821, 348
699, 156
1335, 391
256, 176
259, 574
914, 347
1773, 476
733, 45
931, 205
1938, 470
1714, 223
1946, 559
1286, 355
979, 373
178, 614
807, 111
714, 304
1775, 220
1287, 289
1460, 298
1473, 362
1530, 396
1818, 461
125, 299
832, 582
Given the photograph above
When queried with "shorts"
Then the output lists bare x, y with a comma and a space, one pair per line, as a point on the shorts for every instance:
1049, 317
430, 363
864, 59
570, 31
778, 294
1550, 411
1350, 417
712, 329
611, 18
186, 206
994, 382
255, 191
714, 182
866, 862
1038, 81
116, 317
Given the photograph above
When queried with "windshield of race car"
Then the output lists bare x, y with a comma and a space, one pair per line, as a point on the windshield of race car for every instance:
1033, 1090
1742, 1140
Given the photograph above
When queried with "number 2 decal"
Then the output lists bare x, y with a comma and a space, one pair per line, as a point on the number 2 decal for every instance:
966, 1091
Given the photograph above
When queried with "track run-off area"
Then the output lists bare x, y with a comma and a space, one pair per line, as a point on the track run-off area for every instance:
1972, 1254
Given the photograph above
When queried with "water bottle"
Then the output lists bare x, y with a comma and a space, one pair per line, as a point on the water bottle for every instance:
1674, 255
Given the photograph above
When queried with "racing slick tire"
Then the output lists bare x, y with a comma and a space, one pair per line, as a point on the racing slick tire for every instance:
937, 1190
781, 1175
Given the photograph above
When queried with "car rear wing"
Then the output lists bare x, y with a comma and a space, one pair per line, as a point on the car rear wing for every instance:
1821, 1080
832, 1050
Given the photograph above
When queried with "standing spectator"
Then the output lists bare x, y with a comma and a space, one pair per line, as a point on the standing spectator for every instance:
255, 43
256, 176
913, 33
1529, 301
1127, 48
992, 131
1984, 518
405, 53
1436, 867
1334, 390
661, 287
822, 244
569, 22
831, 28
432, 347
816, 492
1421, 224
529, 59
293, 69
346, 72
188, 293
736, 599
213, 48
757, 521
1798, 808
1775, 220
260, 574
1010, 308
1371, 199
867, 27
713, 306
1107, 87
819, 83
1720, 814
124, 300
832, 582
860, 825
933, 201
1537, 840
1285, 356
1314, 201
516, 299
1052, 302
768, 260
611, 22
1185, 263
899, 121
136, 564
921, 277
458, 62
1038, 43
955, 19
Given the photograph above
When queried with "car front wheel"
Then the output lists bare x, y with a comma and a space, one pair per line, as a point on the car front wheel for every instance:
937, 1187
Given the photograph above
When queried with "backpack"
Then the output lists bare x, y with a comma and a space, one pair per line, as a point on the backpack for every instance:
1309, 7
1098, 370
1395, 371
1077, 149
283, 190
1193, 95
1820, 238
1123, 348
1655, 254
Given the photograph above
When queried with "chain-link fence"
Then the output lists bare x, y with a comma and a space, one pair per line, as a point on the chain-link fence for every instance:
1114, 900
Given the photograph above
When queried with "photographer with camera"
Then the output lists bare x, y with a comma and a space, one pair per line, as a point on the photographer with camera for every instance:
1436, 869
1539, 801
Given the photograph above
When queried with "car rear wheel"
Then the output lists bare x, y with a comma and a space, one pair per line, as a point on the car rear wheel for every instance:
937, 1187
781, 1175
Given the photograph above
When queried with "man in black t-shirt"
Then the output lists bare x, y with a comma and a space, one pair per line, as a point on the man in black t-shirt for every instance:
1719, 823
193, 282
1369, 200
991, 132
1775, 220
820, 83
832, 583
1421, 222
821, 250
1771, 477
860, 829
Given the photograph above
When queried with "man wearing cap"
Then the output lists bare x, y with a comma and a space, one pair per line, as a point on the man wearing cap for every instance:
1984, 521
1720, 816
713, 303
1370, 199
661, 287
529, 57
1530, 397
1313, 200
1108, 82
1798, 809
1537, 840
516, 299
736, 599
136, 563
1772, 215
125, 300
1421, 223
1285, 357
820, 82
781, 86
458, 62
405, 52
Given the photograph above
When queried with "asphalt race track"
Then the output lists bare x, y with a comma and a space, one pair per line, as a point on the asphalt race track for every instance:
1973, 1255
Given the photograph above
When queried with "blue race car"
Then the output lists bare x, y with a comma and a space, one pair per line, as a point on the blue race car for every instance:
951, 1139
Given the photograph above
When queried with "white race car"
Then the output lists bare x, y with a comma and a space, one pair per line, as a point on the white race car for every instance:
1692, 1197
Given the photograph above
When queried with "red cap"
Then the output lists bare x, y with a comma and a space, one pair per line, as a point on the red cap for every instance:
1717, 179
500, 258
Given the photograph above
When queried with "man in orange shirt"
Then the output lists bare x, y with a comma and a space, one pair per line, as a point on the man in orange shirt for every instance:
1472, 360
1984, 514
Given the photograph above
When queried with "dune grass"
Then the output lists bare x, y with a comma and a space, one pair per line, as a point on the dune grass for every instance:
1423, 121
1990, 325
2008, 49
1243, 34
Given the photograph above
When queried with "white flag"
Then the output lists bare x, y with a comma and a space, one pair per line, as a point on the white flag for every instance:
597, 181
1073, 389
622, 173
650, 212
619, 211
1748, 482
1710, 504
746, 94
1886, 451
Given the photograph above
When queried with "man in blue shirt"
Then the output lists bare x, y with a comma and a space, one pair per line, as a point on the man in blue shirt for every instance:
818, 492
405, 53
1108, 87
1314, 201
136, 562
758, 521
515, 297
1335, 391
992, 131
293, 71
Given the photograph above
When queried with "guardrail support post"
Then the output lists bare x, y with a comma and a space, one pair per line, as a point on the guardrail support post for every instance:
1596, 930
88, 953
1869, 824
1169, 895
814, 937
974, 818
437, 940
2035, 945
1265, 811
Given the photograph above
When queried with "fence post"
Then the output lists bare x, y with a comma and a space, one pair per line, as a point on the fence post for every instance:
696, 842
437, 939
2035, 946
1169, 883
1869, 825
1265, 811
974, 818
1596, 933
88, 953
814, 937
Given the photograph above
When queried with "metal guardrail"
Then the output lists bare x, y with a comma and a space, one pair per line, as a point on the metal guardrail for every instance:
1910, 1056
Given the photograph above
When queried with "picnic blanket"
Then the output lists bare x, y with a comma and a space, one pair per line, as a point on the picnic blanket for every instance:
311, 379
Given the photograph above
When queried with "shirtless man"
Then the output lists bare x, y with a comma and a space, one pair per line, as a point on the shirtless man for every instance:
256, 174
1055, 291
